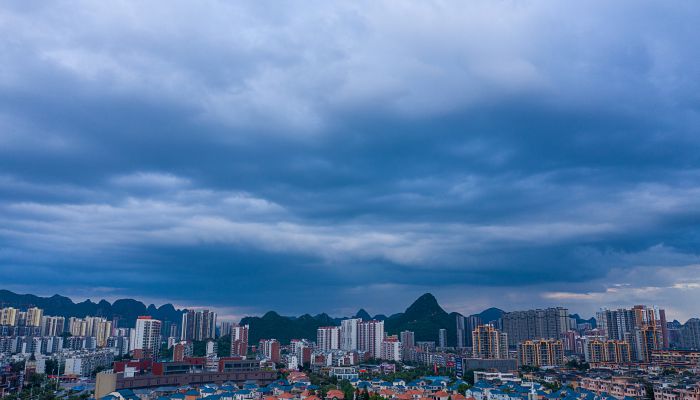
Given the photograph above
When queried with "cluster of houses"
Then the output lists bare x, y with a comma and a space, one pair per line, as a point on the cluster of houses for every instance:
426, 388
510, 390
298, 387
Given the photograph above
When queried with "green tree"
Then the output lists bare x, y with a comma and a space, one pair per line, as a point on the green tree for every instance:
365, 395
51, 366
347, 389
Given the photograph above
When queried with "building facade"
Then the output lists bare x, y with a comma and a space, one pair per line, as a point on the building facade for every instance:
239, 340
541, 353
489, 342
328, 338
547, 323
145, 337
370, 337
349, 334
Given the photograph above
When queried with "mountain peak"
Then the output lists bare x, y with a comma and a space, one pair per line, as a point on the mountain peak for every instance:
427, 304
271, 315
364, 315
426, 297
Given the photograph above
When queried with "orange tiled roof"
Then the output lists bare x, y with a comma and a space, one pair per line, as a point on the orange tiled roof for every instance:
335, 393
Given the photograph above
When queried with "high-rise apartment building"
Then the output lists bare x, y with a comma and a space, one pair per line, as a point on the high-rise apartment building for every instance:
9, 316
408, 345
239, 340
328, 338
618, 351
442, 338
391, 349
187, 326
620, 324
145, 337
489, 342
595, 351
461, 332
370, 336
549, 323
21, 318
408, 339
643, 327
102, 330
616, 323
52, 326
97, 327
607, 351
471, 322
174, 331
541, 352
647, 338
348, 334
225, 328
33, 317
77, 326
653, 318
198, 325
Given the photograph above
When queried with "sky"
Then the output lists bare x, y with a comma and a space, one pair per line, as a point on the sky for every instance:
325, 156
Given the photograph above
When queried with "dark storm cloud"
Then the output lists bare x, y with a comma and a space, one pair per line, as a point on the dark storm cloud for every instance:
228, 154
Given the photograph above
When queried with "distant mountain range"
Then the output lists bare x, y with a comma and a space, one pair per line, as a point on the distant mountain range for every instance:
126, 309
425, 317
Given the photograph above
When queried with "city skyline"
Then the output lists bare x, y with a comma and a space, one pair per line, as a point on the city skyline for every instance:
622, 353
557, 315
352, 155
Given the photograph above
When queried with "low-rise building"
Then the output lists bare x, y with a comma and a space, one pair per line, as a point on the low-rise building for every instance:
618, 387
83, 364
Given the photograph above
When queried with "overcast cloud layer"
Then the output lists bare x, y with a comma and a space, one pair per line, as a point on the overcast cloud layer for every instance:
326, 156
